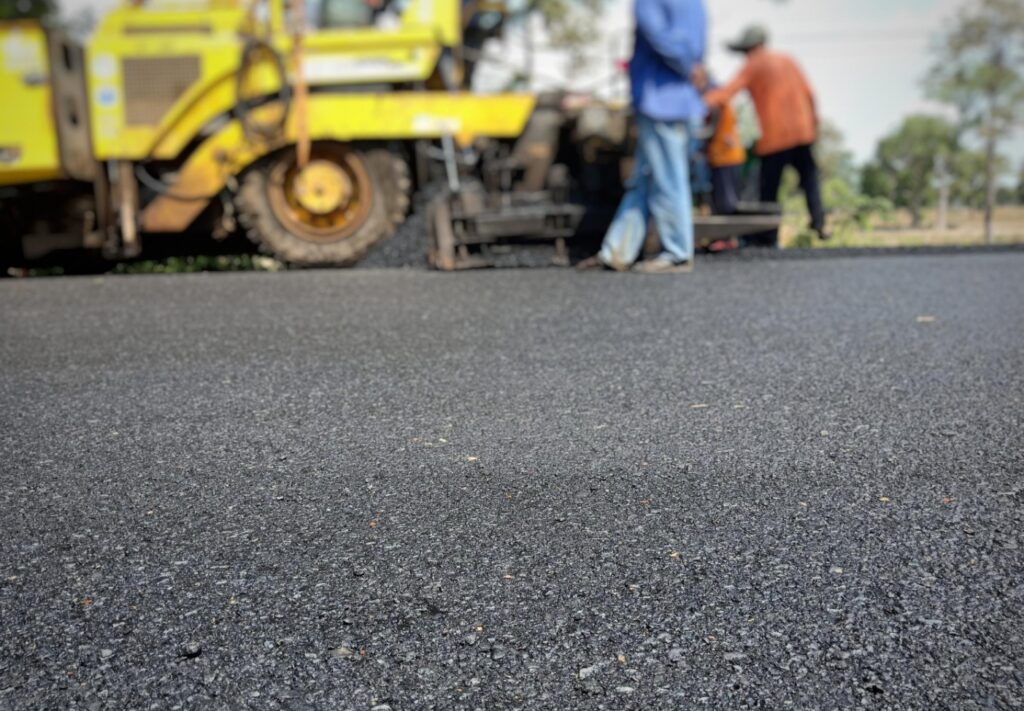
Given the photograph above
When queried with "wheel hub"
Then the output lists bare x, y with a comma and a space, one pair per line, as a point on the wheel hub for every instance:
326, 201
322, 187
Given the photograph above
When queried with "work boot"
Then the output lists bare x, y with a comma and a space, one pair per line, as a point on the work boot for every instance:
594, 263
590, 264
663, 265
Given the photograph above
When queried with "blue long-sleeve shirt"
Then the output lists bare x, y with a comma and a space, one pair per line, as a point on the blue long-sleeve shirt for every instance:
671, 36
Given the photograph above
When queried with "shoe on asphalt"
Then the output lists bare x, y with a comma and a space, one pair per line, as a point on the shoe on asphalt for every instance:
724, 245
663, 266
595, 263
591, 263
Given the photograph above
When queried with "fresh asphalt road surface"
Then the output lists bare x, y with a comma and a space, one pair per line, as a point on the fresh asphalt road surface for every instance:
767, 483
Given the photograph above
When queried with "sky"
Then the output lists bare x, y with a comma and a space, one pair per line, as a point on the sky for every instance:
865, 58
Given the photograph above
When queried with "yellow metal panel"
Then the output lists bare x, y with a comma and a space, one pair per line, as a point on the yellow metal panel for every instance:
217, 97
444, 17
26, 176
146, 20
369, 56
277, 15
211, 36
188, 117
28, 134
113, 136
348, 57
409, 115
150, 33
340, 117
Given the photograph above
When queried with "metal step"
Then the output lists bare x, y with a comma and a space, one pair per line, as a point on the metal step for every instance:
723, 226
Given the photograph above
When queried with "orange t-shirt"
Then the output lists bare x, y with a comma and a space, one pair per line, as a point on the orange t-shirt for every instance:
783, 99
726, 147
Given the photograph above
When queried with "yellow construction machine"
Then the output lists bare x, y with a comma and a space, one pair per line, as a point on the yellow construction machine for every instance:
303, 124
307, 124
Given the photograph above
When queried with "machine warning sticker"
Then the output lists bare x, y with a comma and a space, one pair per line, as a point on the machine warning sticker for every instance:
324, 69
10, 154
23, 53
106, 96
108, 128
104, 66
429, 125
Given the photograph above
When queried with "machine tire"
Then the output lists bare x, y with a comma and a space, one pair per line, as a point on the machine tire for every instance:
264, 226
395, 181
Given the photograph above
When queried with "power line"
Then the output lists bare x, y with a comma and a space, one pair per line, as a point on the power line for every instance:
854, 36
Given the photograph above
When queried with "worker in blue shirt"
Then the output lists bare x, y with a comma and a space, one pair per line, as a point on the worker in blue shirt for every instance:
669, 51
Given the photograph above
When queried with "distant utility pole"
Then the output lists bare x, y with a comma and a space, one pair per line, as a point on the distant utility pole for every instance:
943, 181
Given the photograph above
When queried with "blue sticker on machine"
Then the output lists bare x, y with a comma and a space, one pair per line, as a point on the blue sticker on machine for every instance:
107, 96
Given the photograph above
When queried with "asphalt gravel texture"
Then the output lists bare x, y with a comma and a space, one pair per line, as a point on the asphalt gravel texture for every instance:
766, 484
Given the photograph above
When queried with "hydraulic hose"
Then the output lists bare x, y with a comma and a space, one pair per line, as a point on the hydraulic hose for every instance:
254, 51
161, 188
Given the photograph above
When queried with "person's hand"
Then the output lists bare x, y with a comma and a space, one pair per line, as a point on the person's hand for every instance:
699, 77
714, 99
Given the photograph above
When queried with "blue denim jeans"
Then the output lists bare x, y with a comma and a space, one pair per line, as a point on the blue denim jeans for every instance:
659, 188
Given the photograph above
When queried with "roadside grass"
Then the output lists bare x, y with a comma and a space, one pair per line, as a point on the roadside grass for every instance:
201, 263
965, 229
171, 265
892, 230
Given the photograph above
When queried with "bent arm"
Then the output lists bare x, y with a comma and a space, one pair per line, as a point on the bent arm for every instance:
721, 96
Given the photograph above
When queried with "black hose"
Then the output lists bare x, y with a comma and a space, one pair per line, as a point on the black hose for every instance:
161, 188
253, 50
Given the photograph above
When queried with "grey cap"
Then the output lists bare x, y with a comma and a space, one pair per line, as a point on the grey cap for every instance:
753, 36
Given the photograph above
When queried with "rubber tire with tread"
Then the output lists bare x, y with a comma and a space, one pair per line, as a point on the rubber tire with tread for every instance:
263, 227
394, 177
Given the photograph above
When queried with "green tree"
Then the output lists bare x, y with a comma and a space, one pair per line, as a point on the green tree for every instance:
970, 183
875, 181
1020, 186
835, 160
571, 25
979, 68
905, 163
33, 9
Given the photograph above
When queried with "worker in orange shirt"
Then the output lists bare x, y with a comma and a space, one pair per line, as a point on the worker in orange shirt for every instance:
785, 108
726, 156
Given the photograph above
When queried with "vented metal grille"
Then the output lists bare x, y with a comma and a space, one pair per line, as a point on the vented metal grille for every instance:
153, 84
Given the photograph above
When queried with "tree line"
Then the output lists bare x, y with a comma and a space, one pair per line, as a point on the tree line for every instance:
933, 161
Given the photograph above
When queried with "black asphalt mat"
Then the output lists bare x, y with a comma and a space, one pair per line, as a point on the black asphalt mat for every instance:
768, 483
